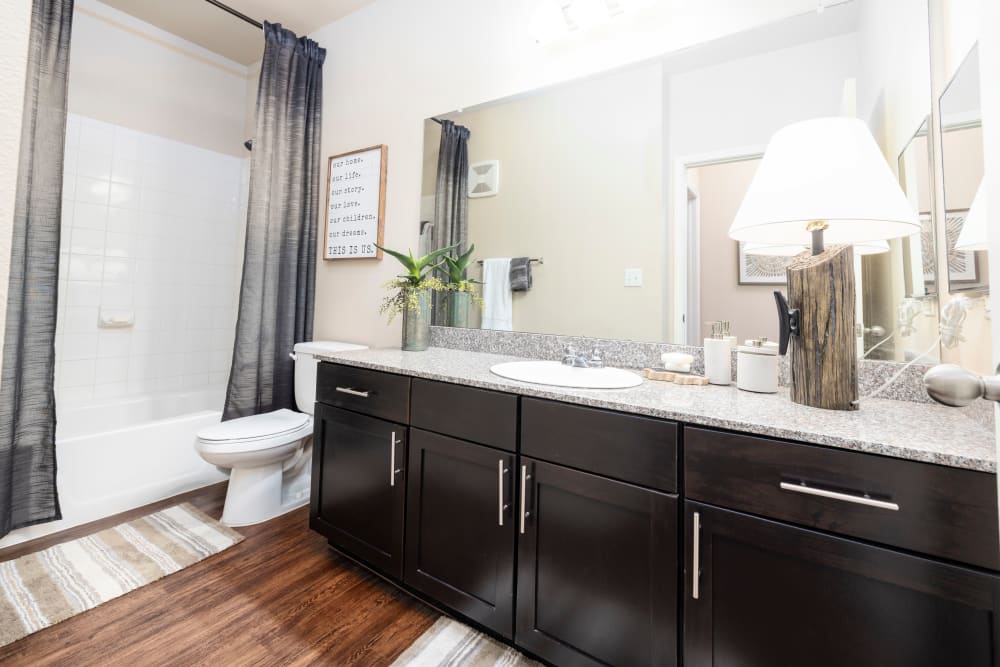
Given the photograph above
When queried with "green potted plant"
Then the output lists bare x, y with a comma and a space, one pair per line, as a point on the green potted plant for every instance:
410, 295
461, 291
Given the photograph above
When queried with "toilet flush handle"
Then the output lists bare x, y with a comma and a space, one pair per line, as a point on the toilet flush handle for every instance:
293, 357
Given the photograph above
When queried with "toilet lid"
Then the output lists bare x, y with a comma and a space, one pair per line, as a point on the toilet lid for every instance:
256, 426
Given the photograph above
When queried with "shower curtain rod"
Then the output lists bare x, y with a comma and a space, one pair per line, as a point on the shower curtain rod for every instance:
237, 14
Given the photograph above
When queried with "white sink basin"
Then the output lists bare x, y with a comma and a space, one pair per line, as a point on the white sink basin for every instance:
555, 374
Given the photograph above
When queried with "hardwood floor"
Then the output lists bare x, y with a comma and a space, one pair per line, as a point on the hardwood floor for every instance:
280, 597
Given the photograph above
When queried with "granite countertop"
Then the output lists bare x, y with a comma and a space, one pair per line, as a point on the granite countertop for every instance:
913, 431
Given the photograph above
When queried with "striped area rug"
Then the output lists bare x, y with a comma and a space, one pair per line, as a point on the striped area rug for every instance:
449, 643
46, 587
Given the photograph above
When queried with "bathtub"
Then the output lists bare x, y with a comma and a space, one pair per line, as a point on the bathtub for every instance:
116, 455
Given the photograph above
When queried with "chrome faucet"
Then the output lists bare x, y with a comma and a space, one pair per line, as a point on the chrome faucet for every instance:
571, 358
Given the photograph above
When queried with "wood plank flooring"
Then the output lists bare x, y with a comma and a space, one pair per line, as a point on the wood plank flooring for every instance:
280, 597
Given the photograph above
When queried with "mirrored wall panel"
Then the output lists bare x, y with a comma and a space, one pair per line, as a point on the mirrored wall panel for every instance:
614, 195
962, 155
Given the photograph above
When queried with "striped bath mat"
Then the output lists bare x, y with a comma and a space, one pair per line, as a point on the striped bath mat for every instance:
449, 643
43, 588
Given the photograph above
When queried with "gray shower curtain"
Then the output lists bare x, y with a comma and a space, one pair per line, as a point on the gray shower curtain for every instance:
279, 266
451, 199
28, 492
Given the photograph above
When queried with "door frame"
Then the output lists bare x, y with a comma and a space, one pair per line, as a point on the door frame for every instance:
677, 280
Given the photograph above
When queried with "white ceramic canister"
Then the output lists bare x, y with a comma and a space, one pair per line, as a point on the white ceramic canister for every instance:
757, 366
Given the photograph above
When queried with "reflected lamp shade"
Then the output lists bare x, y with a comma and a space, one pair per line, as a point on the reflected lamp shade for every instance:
827, 170
974, 231
791, 250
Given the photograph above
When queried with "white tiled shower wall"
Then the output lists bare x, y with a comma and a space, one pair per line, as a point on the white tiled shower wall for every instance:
151, 230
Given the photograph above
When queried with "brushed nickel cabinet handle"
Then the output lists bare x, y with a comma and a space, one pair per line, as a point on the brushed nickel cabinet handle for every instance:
836, 495
501, 471
392, 459
353, 392
524, 485
695, 554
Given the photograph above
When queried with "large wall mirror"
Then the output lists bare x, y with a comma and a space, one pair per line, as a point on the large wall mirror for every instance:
621, 187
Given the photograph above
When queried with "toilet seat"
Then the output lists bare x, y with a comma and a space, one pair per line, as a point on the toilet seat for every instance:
255, 433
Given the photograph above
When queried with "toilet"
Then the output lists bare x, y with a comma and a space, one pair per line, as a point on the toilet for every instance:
270, 454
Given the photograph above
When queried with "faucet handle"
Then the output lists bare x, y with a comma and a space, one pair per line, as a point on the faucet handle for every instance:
596, 358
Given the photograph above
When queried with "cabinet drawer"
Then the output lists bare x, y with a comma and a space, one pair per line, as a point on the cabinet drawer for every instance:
633, 449
479, 415
936, 510
369, 392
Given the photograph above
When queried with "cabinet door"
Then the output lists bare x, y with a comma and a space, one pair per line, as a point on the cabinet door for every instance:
597, 569
460, 528
763, 593
358, 486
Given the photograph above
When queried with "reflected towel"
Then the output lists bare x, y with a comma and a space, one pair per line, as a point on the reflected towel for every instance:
497, 305
520, 274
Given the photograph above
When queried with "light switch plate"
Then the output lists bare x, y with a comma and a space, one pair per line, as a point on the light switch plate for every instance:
633, 277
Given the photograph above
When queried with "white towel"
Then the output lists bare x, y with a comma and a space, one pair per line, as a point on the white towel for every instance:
497, 306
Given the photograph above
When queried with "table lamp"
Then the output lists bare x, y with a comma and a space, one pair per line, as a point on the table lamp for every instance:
822, 181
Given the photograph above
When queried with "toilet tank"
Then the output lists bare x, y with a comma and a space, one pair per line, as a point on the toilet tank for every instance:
307, 356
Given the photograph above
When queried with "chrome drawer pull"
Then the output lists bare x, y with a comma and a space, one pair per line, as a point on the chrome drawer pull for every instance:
353, 392
695, 554
836, 495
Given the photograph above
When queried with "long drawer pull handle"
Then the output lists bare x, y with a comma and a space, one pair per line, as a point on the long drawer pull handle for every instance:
524, 484
354, 392
836, 495
695, 554
500, 506
392, 459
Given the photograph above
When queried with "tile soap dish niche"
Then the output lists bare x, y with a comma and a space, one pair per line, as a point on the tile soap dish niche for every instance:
115, 318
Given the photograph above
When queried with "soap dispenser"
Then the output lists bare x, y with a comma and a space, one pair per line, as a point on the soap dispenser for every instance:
719, 356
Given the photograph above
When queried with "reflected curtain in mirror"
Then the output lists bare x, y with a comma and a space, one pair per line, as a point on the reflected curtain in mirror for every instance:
279, 266
28, 493
451, 197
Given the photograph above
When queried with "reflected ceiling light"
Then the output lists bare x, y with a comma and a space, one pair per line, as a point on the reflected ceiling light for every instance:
557, 19
974, 230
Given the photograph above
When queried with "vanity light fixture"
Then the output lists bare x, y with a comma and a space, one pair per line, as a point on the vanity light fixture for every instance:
822, 181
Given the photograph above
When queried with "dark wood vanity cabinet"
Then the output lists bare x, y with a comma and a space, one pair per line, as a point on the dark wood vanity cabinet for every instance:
359, 488
460, 527
358, 497
580, 535
760, 593
597, 569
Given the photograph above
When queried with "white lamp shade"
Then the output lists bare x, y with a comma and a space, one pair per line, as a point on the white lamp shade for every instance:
825, 169
974, 236
790, 250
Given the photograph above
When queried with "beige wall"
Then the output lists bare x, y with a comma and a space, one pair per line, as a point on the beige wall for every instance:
581, 191
750, 309
130, 73
14, 30
461, 54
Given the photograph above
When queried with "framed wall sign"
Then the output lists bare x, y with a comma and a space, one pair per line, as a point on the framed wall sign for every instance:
355, 204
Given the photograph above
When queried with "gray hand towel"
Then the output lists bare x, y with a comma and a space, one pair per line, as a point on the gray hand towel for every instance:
520, 274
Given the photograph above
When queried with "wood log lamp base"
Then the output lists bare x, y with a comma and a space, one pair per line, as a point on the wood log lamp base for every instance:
818, 325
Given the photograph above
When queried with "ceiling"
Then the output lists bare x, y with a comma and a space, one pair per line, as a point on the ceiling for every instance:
212, 28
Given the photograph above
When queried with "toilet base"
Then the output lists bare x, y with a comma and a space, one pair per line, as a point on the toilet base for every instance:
262, 493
